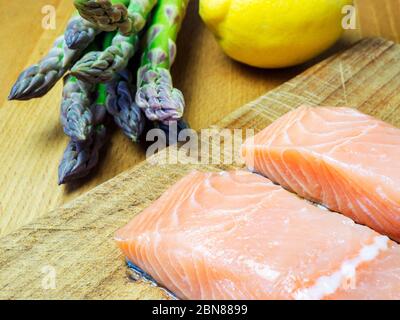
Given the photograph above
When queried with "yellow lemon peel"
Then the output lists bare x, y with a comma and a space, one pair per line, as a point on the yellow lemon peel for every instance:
274, 33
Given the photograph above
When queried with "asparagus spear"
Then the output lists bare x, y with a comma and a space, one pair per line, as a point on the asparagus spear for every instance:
101, 66
76, 116
121, 105
39, 78
106, 15
80, 157
111, 17
138, 12
79, 33
156, 94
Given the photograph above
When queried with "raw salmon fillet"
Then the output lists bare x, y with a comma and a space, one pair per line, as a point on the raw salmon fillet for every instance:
339, 157
236, 235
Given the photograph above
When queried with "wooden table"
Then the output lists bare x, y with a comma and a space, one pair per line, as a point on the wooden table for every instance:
32, 141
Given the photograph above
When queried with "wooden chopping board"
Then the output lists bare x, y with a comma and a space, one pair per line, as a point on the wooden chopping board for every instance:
73, 245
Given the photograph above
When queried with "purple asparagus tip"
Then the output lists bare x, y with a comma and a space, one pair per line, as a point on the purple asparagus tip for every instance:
81, 157
121, 105
157, 97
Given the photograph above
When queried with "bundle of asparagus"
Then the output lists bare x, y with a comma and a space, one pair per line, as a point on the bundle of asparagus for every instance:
101, 82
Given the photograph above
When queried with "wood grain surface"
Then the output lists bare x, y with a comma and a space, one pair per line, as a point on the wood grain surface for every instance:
76, 240
32, 141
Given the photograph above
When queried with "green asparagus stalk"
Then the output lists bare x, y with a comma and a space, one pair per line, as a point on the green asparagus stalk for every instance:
99, 109
76, 116
121, 105
138, 13
113, 15
80, 157
39, 78
101, 66
79, 33
156, 94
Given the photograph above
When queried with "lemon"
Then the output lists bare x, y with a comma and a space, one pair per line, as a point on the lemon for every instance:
274, 33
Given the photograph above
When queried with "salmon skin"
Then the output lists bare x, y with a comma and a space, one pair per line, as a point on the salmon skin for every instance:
236, 235
339, 157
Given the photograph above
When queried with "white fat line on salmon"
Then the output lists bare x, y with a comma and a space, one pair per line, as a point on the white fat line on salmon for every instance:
327, 285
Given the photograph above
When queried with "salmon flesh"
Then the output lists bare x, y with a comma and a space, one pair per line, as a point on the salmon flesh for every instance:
339, 157
237, 235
